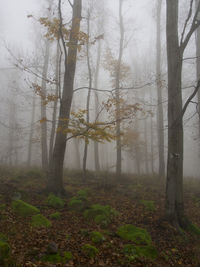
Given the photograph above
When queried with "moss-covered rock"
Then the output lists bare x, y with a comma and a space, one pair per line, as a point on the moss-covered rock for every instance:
57, 258
149, 205
39, 221
4, 251
24, 209
102, 215
55, 202
97, 237
135, 234
193, 229
134, 252
89, 250
55, 216
76, 204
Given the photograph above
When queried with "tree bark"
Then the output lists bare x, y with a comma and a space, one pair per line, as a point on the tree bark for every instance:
54, 115
117, 84
88, 97
55, 176
44, 146
31, 131
96, 144
174, 187
160, 131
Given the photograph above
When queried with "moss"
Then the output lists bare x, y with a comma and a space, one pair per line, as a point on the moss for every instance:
100, 214
97, 237
24, 209
55, 202
52, 258
3, 237
4, 251
89, 250
134, 252
76, 204
40, 221
138, 235
67, 256
193, 229
149, 205
55, 216
84, 232
2, 207
82, 194
57, 258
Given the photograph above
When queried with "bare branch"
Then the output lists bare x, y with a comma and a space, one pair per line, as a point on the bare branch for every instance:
60, 29
194, 26
186, 21
70, 3
190, 98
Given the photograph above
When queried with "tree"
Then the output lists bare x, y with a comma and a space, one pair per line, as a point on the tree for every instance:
55, 175
161, 156
117, 85
175, 50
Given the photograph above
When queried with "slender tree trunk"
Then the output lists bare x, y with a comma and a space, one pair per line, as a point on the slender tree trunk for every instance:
160, 124
152, 145
54, 115
117, 84
44, 146
31, 131
146, 158
78, 160
88, 98
55, 177
96, 144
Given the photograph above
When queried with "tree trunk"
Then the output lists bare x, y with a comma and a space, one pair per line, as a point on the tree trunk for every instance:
96, 144
55, 176
54, 115
160, 124
31, 131
88, 98
174, 187
44, 146
198, 66
117, 84
146, 156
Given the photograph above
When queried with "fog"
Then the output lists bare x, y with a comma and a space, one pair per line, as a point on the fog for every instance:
23, 41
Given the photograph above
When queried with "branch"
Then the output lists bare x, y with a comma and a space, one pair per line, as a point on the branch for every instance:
190, 98
60, 30
194, 26
70, 3
186, 21
112, 90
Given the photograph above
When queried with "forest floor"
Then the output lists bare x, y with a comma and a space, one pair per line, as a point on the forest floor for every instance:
138, 200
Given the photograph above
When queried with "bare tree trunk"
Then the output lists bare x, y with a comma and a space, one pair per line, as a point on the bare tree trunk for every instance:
96, 144
117, 84
152, 145
55, 177
198, 66
88, 97
44, 146
146, 157
160, 128
78, 160
174, 187
54, 115
31, 131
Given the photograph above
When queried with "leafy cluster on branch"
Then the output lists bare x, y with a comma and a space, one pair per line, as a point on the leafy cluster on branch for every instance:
53, 31
111, 64
77, 126
45, 98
